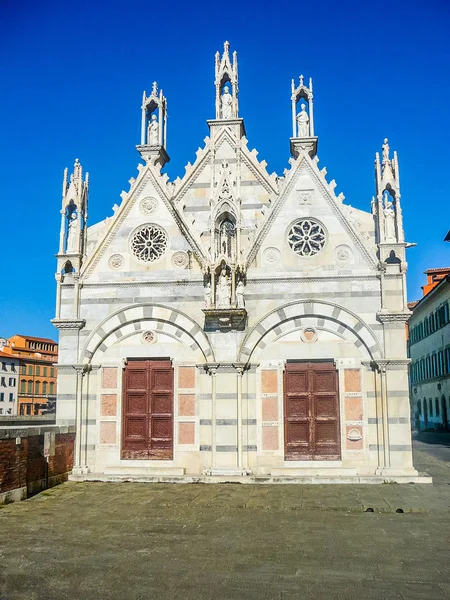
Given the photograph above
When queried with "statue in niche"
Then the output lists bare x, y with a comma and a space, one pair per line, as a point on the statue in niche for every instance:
240, 295
226, 104
303, 122
207, 294
389, 220
73, 233
385, 151
224, 291
153, 131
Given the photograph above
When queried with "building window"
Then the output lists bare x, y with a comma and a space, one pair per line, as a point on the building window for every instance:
44, 388
52, 387
44, 371
3, 381
4, 366
11, 397
38, 371
430, 406
30, 387
149, 242
52, 372
434, 365
428, 368
2, 396
37, 388
30, 369
445, 313
422, 369
436, 407
22, 387
13, 367
306, 237
440, 363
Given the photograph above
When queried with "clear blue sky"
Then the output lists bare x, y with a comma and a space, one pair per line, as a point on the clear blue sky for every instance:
72, 79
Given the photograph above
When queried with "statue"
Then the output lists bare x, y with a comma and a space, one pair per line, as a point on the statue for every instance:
208, 295
153, 132
385, 152
240, 295
226, 103
389, 220
72, 233
223, 291
303, 123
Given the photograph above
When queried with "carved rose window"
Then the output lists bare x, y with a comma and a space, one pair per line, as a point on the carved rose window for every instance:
148, 243
306, 237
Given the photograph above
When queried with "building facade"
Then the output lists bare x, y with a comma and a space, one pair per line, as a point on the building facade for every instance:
36, 385
429, 350
9, 380
235, 323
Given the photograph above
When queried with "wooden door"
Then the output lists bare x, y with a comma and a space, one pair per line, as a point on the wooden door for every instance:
311, 411
147, 424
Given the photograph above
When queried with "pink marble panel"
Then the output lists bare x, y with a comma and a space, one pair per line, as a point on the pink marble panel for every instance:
186, 433
109, 377
270, 438
107, 432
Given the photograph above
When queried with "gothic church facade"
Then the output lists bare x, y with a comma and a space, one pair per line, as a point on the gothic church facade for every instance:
235, 324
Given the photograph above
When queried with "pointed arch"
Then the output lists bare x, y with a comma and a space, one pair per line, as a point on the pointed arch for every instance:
337, 318
163, 318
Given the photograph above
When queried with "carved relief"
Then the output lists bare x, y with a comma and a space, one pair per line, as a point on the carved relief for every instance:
304, 197
148, 205
343, 253
271, 256
148, 337
180, 259
116, 261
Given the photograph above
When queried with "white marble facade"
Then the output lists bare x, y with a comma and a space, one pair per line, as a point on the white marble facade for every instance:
231, 272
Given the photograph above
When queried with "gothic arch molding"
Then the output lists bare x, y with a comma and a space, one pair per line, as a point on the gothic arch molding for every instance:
339, 320
166, 320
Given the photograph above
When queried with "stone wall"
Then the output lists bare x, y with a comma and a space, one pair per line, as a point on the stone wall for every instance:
23, 466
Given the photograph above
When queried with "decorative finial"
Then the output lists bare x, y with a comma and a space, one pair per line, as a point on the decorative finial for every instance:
155, 89
301, 79
226, 46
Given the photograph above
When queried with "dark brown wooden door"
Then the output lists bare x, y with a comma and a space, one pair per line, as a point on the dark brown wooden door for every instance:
147, 426
311, 411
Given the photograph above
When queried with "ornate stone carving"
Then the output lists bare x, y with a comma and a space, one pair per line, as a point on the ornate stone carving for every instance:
148, 205
226, 103
304, 197
116, 261
148, 242
354, 435
207, 294
153, 131
223, 291
180, 259
302, 123
306, 237
68, 323
343, 253
308, 335
271, 256
148, 337
240, 288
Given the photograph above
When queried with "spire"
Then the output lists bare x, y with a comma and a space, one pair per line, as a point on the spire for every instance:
226, 75
387, 204
154, 126
74, 211
302, 118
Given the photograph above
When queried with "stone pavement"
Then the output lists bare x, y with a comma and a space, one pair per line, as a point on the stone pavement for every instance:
139, 541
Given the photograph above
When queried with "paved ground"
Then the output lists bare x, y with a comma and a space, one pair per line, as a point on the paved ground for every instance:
140, 541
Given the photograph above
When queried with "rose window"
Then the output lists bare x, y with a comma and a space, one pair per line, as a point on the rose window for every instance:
148, 243
306, 237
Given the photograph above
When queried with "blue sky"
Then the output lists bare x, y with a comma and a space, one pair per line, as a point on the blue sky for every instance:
73, 75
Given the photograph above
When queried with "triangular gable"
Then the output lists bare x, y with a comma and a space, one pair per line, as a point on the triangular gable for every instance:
304, 162
159, 182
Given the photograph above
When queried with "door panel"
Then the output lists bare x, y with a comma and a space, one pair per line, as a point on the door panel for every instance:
311, 411
148, 410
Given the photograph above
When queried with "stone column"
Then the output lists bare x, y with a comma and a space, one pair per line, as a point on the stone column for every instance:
77, 467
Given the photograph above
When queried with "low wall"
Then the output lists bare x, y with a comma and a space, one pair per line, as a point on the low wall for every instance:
23, 466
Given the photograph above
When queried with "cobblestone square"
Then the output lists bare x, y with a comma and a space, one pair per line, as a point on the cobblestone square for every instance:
137, 541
